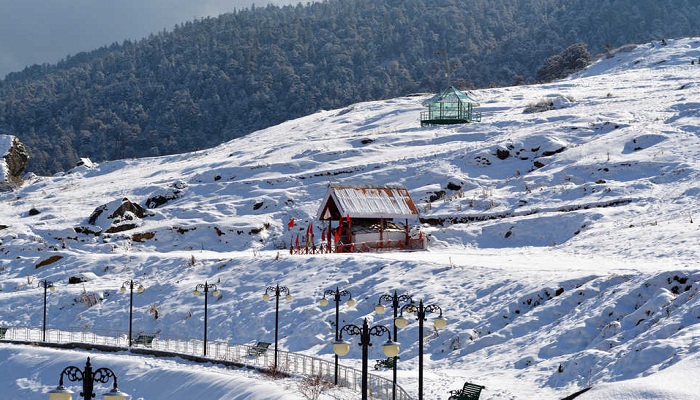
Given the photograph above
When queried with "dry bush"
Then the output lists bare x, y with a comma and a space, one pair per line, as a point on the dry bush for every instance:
274, 372
311, 387
153, 309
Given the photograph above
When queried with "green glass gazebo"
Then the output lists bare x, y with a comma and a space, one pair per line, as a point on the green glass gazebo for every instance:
452, 106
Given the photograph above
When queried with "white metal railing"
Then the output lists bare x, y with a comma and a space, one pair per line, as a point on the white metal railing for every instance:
378, 386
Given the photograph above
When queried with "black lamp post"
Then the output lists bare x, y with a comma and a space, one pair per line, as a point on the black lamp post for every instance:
47, 285
337, 295
438, 322
206, 286
88, 377
395, 300
140, 289
341, 348
277, 291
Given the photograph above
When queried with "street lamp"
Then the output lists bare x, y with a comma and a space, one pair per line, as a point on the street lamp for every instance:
341, 347
439, 322
89, 377
215, 293
277, 291
337, 295
140, 289
47, 285
395, 300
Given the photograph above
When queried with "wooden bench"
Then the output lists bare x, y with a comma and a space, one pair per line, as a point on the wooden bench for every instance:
387, 363
470, 391
259, 349
3, 331
145, 340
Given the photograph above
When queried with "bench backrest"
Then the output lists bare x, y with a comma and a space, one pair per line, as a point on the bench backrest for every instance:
470, 388
263, 345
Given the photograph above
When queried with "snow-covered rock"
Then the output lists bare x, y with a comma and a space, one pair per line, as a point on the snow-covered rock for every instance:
14, 159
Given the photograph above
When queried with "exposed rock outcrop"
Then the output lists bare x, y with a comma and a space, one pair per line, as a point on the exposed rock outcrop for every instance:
126, 216
15, 158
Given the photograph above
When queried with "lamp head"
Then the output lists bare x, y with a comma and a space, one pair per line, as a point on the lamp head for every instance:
391, 348
122, 289
115, 394
266, 297
379, 309
323, 302
140, 289
439, 322
351, 302
52, 288
61, 393
195, 292
401, 322
216, 293
341, 347
288, 297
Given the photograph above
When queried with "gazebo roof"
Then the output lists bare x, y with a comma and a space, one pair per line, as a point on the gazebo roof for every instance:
450, 95
367, 202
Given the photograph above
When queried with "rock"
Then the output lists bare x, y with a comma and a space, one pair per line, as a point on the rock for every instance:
126, 216
174, 192
128, 207
15, 158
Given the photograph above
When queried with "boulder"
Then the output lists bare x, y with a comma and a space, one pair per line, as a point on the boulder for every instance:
15, 158
124, 216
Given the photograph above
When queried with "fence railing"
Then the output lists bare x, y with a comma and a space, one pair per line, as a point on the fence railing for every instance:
295, 363
360, 247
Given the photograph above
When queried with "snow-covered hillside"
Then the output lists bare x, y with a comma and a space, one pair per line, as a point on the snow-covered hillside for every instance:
563, 240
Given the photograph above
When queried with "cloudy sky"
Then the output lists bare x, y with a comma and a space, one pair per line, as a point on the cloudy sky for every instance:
45, 31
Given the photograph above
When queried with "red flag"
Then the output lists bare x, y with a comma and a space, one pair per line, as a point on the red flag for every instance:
337, 235
290, 224
347, 219
323, 235
310, 229
297, 242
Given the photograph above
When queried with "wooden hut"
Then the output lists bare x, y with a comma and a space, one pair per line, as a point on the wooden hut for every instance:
369, 218
452, 106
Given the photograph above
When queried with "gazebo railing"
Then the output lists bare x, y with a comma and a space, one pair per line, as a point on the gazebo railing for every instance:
361, 247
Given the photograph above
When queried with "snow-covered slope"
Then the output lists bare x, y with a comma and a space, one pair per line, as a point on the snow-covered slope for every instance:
563, 240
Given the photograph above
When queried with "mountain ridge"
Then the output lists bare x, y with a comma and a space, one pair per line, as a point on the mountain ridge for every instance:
215, 79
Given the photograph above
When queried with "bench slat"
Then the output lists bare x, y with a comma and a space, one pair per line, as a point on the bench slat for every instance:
146, 340
259, 349
470, 391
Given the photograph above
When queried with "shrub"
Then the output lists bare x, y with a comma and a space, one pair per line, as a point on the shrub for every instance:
573, 59
311, 387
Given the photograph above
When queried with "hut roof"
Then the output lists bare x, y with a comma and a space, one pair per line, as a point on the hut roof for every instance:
450, 95
367, 202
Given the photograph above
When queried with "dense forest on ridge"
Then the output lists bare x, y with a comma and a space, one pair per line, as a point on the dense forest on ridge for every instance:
214, 79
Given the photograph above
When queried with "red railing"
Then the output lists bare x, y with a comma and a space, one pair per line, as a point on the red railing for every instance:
361, 247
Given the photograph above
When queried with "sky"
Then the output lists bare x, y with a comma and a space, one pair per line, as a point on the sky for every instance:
46, 31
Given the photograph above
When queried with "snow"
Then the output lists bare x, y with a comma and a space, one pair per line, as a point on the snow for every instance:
566, 260
5, 146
